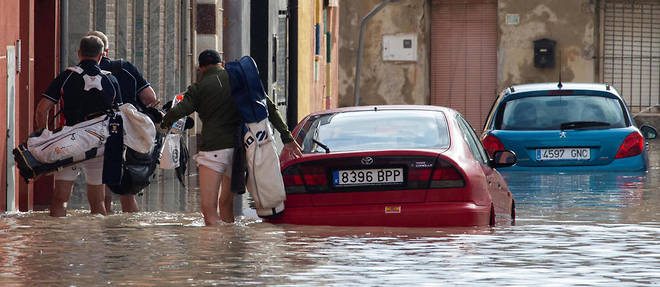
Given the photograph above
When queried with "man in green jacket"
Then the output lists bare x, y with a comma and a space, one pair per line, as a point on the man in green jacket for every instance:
211, 98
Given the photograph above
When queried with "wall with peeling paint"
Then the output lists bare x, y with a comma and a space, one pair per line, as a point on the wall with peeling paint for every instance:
572, 23
383, 82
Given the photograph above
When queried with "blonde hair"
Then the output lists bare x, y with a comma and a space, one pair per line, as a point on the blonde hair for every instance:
101, 36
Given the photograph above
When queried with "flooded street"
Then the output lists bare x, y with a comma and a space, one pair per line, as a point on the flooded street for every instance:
588, 229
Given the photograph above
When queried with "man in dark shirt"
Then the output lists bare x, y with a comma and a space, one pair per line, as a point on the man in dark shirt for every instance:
134, 90
83, 92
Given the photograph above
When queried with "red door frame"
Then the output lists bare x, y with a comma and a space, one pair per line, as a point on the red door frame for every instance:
46, 63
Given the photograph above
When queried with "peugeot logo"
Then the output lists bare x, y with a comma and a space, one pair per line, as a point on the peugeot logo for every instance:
562, 135
367, 160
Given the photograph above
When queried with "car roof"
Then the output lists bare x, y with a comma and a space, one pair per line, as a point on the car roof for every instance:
555, 86
385, 108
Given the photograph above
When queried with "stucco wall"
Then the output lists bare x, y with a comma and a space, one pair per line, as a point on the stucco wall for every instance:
572, 23
383, 82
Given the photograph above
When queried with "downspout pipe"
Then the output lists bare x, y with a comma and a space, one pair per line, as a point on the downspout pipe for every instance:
292, 90
363, 27
64, 34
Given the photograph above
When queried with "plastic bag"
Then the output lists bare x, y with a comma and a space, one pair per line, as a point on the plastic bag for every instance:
170, 154
139, 129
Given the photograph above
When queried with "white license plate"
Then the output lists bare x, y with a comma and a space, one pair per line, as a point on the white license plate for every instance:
563, 154
368, 176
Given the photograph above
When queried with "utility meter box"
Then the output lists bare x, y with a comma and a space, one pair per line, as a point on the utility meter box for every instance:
544, 53
400, 47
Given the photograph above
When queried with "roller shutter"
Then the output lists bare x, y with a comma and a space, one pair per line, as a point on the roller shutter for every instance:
631, 50
464, 57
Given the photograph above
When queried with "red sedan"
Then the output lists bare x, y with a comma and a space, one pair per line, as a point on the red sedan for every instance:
410, 166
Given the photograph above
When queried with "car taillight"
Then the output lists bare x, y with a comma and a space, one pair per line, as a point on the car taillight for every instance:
631, 146
303, 179
491, 143
293, 181
446, 175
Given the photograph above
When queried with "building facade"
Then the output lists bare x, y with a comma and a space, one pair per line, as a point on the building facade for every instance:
294, 42
469, 50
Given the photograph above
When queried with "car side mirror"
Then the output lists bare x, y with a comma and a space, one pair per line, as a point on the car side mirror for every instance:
648, 132
503, 158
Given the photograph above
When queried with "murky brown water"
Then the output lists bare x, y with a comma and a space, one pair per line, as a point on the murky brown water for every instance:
572, 230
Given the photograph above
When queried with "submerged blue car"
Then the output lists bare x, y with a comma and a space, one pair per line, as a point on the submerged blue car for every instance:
566, 126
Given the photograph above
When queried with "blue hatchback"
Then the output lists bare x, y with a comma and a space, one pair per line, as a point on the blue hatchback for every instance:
566, 126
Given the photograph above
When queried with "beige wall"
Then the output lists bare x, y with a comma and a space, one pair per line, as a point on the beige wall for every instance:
572, 23
383, 82
317, 78
305, 57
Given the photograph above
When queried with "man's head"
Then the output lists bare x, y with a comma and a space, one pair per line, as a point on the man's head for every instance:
208, 58
91, 48
103, 38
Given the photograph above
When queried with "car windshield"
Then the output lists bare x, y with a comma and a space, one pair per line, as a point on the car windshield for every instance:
562, 112
369, 130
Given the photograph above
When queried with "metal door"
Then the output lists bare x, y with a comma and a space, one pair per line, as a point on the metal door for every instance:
464, 57
631, 50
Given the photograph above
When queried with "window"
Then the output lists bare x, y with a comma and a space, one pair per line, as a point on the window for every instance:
382, 129
549, 112
472, 140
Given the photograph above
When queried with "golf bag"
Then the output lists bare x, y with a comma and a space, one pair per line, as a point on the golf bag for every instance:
47, 151
264, 178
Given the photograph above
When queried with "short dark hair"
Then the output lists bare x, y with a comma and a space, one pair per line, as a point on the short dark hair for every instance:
91, 46
209, 57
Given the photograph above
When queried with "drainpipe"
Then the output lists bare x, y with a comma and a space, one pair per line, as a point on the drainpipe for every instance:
64, 34
363, 27
292, 93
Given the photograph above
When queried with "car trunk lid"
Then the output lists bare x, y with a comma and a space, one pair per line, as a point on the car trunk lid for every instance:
564, 147
369, 177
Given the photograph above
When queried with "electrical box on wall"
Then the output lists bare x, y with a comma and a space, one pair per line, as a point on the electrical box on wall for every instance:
544, 53
400, 47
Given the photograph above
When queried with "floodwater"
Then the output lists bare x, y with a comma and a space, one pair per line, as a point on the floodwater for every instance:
588, 229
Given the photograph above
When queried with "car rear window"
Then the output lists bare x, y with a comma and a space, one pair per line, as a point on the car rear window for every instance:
369, 130
550, 112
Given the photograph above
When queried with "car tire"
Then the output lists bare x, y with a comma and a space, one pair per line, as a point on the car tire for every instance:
492, 215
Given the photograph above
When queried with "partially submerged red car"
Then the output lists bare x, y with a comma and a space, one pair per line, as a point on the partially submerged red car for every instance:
409, 166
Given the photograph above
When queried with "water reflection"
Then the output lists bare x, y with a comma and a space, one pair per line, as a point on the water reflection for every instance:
572, 229
596, 197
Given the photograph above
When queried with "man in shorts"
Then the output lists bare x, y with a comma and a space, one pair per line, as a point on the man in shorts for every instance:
134, 90
83, 92
211, 98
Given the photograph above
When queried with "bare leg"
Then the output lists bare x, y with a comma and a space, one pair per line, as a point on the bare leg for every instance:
128, 203
226, 200
61, 195
108, 201
209, 183
96, 198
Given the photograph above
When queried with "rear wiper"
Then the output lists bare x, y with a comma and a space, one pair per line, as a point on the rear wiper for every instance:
584, 124
325, 147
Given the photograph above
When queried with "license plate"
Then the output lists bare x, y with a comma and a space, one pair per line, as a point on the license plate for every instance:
368, 176
563, 154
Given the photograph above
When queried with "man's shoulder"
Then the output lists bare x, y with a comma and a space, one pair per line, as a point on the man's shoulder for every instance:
124, 64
